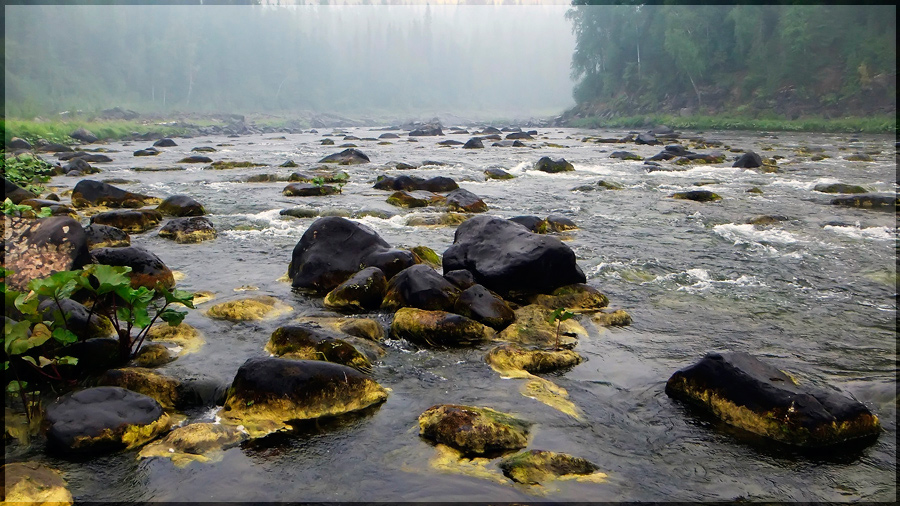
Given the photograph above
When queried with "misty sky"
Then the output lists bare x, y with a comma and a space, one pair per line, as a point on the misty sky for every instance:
511, 60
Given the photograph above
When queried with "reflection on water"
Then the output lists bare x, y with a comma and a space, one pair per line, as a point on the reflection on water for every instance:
814, 294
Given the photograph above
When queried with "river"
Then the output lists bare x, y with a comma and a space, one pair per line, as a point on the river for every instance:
815, 295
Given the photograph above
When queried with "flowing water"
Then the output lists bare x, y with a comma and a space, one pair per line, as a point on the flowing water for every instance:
815, 295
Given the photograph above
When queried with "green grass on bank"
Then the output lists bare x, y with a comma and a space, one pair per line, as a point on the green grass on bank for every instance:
873, 125
58, 131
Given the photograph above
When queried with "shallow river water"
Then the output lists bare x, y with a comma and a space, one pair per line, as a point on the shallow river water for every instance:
814, 295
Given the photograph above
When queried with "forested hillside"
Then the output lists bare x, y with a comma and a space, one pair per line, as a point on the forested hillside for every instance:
789, 61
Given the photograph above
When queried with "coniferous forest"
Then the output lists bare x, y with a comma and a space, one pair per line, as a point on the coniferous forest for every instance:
787, 60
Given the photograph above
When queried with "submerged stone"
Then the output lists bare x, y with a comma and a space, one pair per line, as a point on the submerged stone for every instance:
577, 297
508, 358
163, 389
251, 308
437, 328
185, 338
104, 419
538, 466
197, 442
532, 328
268, 393
473, 430
879, 202
757, 397
618, 318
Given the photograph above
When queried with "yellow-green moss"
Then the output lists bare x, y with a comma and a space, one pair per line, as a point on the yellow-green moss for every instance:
551, 394
473, 430
197, 442
507, 359
578, 297
437, 328
531, 328
254, 308
618, 318
426, 255
34, 483
451, 460
538, 466
161, 388
186, 338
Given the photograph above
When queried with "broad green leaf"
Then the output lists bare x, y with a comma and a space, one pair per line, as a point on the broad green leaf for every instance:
44, 361
30, 360
173, 317
111, 277
27, 303
67, 360
6, 365
123, 314
15, 387
14, 332
560, 314
179, 296
141, 316
64, 336
45, 212
144, 295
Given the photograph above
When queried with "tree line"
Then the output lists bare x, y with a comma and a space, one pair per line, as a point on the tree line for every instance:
789, 59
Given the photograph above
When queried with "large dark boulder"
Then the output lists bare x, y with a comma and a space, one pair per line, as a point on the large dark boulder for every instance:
15, 193
132, 221
84, 155
332, 249
646, 138
474, 143
436, 184
268, 393
427, 130
506, 257
546, 164
165, 143
520, 136
748, 160
147, 269
484, 306
361, 292
103, 419
464, 201
95, 193
420, 287
80, 165
348, 156
36, 248
497, 173
180, 205
868, 201
17, 143
753, 395
151, 151
84, 135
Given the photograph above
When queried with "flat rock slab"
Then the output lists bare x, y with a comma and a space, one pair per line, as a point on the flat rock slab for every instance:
753, 395
104, 419
473, 430
36, 248
268, 393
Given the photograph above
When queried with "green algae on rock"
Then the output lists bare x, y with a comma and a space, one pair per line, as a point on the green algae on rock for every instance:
437, 328
507, 359
35, 483
532, 328
473, 430
577, 297
618, 318
752, 395
268, 393
252, 308
537, 466
186, 338
163, 389
196, 442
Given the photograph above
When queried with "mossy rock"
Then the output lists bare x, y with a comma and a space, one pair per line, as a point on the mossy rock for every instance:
697, 196
755, 190
269, 393
839, 188
437, 220
103, 419
426, 255
186, 338
859, 157
130, 221
227, 164
437, 328
163, 389
538, 466
363, 291
299, 212
309, 190
416, 198
249, 309
532, 328
577, 297
153, 355
196, 442
497, 173
363, 328
34, 483
767, 219
419, 286
507, 359
755, 396
878, 202
473, 430
307, 342
618, 318
189, 230
484, 306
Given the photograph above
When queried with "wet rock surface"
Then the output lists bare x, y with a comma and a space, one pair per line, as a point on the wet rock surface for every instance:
147, 269
188, 230
755, 396
473, 430
35, 248
437, 328
133, 221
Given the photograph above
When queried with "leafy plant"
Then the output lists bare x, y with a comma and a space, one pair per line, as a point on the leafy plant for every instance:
341, 179
559, 315
111, 295
26, 170
11, 209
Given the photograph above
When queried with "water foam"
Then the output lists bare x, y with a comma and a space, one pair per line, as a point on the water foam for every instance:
857, 232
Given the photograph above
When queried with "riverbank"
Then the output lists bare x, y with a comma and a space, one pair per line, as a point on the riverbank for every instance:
870, 125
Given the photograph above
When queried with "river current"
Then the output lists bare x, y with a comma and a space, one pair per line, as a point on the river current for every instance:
814, 295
